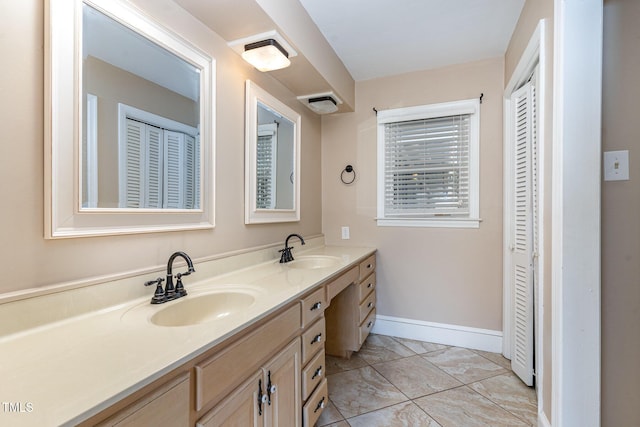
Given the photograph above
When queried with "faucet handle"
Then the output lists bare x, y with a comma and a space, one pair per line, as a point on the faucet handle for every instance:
159, 281
286, 255
158, 296
180, 290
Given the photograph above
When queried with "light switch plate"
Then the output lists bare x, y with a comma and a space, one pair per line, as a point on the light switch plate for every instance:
616, 165
345, 233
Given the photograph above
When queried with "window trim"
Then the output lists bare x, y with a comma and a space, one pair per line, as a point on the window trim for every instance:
468, 106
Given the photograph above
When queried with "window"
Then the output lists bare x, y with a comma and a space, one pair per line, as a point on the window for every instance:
428, 162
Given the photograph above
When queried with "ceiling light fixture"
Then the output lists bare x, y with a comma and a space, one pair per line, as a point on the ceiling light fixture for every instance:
266, 51
321, 103
266, 55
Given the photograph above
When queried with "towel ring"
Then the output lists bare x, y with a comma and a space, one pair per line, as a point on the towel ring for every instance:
348, 169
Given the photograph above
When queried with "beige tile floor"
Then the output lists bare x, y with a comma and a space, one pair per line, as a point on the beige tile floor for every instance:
398, 382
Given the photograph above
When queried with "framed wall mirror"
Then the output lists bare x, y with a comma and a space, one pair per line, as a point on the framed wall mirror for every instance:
129, 141
272, 159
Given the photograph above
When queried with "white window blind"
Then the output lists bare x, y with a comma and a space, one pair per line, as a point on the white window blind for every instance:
427, 166
266, 166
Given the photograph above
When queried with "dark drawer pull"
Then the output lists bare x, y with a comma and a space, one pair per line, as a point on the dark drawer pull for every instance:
320, 405
369, 266
369, 305
316, 306
370, 323
369, 285
317, 373
316, 339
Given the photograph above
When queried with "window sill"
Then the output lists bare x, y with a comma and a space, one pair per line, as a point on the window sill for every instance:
430, 222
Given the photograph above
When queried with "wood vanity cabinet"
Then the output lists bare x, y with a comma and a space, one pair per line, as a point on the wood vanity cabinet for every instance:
351, 312
270, 397
271, 374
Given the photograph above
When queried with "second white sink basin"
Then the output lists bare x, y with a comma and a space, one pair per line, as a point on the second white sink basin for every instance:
202, 308
314, 261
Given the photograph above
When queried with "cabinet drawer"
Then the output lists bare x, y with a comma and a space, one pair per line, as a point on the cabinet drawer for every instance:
366, 306
339, 284
367, 266
313, 340
312, 375
366, 286
313, 306
218, 375
315, 405
167, 405
366, 326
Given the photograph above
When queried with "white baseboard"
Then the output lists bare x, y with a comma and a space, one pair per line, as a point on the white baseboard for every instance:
460, 336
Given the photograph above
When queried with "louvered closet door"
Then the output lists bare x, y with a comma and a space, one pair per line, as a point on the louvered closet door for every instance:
196, 172
154, 165
141, 171
180, 191
174, 170
132, 165
522, 234
189, 172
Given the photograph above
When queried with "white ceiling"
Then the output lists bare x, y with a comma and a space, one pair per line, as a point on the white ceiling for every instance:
377, 38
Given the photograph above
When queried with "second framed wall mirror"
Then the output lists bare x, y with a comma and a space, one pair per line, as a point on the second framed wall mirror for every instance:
272, 159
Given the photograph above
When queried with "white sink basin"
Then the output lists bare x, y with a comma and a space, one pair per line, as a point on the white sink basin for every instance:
202, 308
314, 261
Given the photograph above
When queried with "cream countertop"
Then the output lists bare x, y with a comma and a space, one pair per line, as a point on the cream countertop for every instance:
65, 372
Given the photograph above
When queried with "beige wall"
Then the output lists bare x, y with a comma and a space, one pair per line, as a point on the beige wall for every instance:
620, 213
31, 261
532, 12
451, 276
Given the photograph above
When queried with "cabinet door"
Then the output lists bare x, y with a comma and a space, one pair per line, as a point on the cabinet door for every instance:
282, 376
241, 408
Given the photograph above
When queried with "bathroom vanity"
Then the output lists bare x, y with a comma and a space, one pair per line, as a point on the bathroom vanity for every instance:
262, 365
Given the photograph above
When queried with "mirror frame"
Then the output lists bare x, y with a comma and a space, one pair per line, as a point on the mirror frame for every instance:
253, 215
63, 121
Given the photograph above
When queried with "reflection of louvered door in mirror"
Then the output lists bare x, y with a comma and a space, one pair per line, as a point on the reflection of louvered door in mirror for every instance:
158, 168
179, 175
140, 166
522, 245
